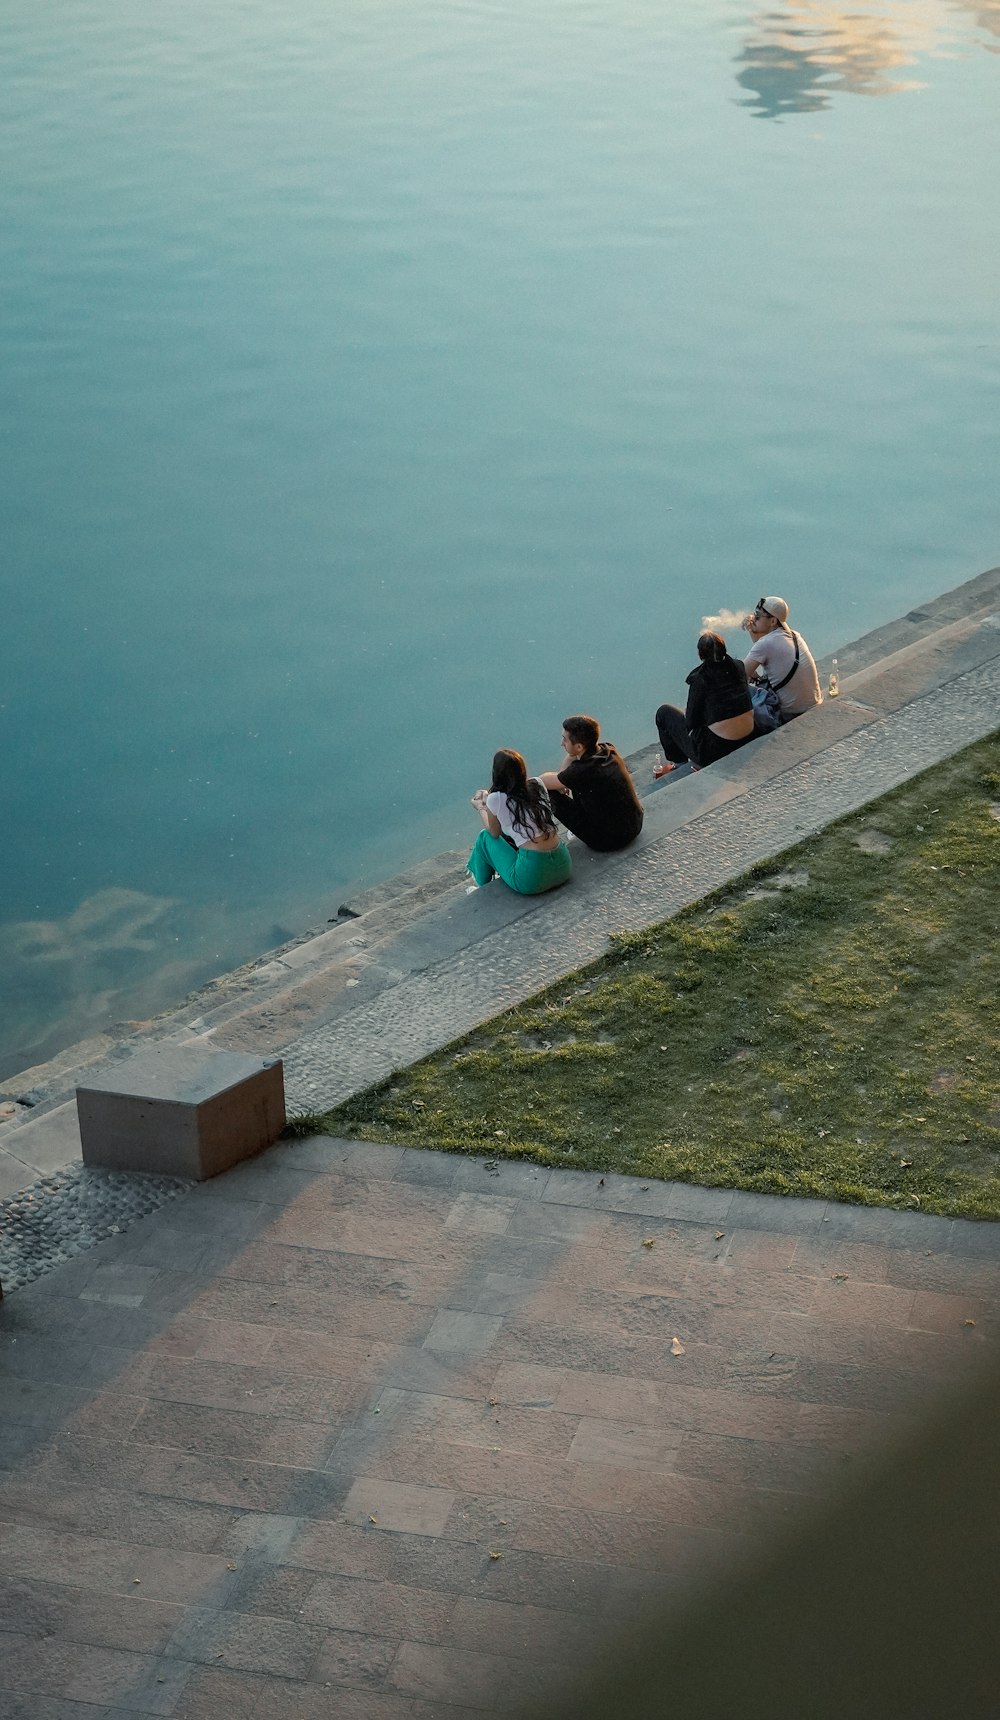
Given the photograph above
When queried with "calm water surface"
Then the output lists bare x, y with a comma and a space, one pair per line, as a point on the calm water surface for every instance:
381, 382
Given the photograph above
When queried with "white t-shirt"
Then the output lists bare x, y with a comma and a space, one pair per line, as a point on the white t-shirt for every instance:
776, 653
504, 813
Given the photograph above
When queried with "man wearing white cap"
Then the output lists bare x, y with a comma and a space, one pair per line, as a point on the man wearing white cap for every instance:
783, 656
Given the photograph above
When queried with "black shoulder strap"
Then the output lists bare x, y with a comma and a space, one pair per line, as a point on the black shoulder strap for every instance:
777, 685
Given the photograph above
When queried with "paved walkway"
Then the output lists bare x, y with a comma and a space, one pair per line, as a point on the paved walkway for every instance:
368, 1433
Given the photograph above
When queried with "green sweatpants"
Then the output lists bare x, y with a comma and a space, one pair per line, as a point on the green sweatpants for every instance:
526, 870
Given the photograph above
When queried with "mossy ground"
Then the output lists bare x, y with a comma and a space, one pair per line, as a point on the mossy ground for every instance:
828, 1026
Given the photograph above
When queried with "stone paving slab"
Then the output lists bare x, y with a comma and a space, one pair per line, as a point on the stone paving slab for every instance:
361, 1431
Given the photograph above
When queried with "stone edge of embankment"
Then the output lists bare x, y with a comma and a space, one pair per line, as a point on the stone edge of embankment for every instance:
409, 895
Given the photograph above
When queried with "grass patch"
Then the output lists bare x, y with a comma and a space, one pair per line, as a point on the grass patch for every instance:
825, 1026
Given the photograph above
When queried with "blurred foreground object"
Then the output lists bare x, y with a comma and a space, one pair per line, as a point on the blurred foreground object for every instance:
880, 1606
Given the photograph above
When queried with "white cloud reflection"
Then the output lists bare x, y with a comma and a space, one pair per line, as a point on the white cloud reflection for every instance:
70, 977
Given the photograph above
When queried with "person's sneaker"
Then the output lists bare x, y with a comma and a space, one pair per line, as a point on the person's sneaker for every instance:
663, 769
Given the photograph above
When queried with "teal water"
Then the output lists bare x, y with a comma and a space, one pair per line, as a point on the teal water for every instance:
381, 382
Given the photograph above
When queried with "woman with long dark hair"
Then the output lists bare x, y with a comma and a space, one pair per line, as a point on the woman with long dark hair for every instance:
520, 842
719, 715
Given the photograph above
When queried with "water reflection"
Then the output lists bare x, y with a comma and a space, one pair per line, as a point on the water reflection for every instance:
65, 975
797, 58
987, 17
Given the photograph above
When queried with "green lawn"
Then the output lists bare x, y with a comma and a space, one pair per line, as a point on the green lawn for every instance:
826, 1026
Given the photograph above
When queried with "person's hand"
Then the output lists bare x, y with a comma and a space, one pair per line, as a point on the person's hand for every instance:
479, 799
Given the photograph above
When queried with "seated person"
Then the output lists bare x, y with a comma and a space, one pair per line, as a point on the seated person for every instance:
784, 657
719, 715
593, 794
520, 843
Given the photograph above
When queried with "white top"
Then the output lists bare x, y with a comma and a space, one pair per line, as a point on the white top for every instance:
504, 812
776, 653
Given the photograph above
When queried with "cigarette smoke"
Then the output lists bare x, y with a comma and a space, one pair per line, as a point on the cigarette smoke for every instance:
727, 621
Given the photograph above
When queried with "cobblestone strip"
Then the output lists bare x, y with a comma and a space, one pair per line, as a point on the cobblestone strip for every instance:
63, 1215
430, 1008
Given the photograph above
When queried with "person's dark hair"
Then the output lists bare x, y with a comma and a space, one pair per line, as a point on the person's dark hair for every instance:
583, 731
712, 648
528, 799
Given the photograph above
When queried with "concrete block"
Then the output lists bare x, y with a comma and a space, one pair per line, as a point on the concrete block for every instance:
181, 1110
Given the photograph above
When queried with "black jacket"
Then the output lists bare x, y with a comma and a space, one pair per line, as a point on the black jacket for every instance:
717, 691
605, 795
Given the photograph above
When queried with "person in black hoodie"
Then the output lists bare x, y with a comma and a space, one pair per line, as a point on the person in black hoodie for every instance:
719, 715
593, 795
